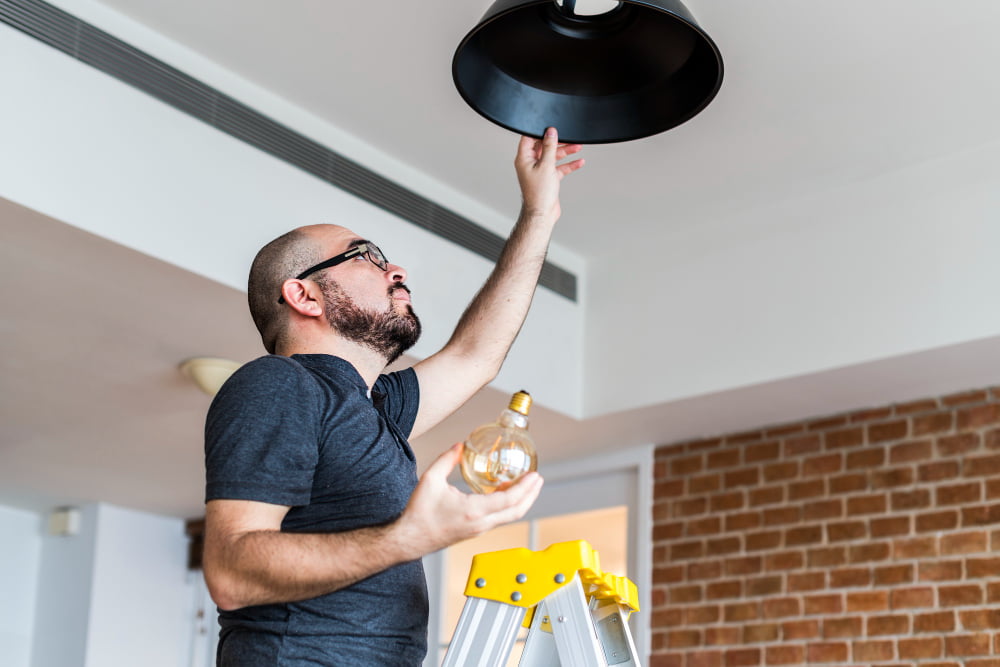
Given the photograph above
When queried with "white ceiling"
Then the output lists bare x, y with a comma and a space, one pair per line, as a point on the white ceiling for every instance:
816, 97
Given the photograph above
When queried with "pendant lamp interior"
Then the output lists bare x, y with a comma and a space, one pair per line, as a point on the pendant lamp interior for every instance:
590, 7
600, 71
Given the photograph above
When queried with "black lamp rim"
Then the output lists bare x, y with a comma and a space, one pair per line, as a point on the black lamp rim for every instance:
589, 141
493, 14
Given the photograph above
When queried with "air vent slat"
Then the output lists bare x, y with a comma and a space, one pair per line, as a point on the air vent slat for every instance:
200, 106
123, 66
106, 53
392, 196
313, 163
244, 123
283, 143
370, 189
55, 29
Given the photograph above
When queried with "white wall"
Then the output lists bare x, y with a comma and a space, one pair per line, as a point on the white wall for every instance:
904, 262
65, 580
877, 258
84, 148
20, 551
141, 600
116, 594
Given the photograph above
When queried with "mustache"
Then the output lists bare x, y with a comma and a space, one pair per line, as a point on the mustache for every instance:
399, 286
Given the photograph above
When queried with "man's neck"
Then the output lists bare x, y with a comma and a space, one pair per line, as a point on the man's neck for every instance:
368, 363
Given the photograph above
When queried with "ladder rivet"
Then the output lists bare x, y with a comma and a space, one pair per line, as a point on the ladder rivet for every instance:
515, 596
521, 578
560, 578
561, 619
480, 583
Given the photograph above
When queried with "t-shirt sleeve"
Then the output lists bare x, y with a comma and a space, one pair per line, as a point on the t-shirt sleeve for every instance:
402, 397
261, 435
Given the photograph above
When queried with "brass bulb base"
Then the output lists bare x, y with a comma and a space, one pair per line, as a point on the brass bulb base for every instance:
520, 402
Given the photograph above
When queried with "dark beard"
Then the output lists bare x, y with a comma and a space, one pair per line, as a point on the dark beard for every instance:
389, 333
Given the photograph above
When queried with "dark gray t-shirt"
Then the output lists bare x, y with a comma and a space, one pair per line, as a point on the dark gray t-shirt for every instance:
302, 432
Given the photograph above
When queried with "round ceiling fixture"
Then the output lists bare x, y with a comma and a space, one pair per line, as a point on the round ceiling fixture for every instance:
209, 373
633, 69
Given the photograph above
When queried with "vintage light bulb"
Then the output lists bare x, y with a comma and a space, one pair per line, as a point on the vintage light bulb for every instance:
497, 454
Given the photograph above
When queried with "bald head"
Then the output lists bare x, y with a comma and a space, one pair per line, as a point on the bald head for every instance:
281, 259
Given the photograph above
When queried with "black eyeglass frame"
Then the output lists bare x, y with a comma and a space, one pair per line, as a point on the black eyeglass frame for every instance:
370, 251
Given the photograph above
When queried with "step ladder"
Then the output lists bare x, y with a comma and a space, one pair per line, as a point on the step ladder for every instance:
576, 614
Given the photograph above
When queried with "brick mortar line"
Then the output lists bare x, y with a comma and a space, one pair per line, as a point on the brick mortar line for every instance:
719, 442
983, 480
843, 453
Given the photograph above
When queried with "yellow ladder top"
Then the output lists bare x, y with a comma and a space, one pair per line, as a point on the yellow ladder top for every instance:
523, 578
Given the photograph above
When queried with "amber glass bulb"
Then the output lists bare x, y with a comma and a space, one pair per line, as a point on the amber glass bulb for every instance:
497, 454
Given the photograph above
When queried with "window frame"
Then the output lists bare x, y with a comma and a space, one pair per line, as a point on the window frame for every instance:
617, 478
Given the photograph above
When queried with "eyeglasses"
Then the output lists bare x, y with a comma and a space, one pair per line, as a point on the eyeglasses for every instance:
370, 251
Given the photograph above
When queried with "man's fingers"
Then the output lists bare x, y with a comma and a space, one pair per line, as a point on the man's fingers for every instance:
528, 150
521, 497
567, 149
550, 145
570, 167
446, 462
511, 503
538, 150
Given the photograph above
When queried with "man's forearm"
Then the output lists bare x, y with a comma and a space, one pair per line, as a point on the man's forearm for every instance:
252, 567
496, 314
269, 566
485, 332
492, 321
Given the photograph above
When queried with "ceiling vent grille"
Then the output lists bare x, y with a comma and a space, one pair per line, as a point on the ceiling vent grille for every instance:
109, 54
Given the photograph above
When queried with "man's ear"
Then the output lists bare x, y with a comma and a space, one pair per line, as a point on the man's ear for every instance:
305, 298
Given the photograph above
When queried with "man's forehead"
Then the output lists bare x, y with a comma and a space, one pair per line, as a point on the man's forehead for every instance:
334, 237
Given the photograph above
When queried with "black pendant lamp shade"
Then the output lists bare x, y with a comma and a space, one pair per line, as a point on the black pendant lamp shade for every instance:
638, 69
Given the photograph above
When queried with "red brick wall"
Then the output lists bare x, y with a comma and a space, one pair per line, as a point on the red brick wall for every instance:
870, 538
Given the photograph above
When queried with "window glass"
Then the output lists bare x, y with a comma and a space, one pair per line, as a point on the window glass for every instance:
605, 529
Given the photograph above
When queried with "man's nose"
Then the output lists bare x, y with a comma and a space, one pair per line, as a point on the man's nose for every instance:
397, 274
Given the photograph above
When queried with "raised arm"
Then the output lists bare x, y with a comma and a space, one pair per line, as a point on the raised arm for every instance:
248, 561
491, 322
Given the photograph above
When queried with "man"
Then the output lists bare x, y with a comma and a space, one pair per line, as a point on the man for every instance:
315, 519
